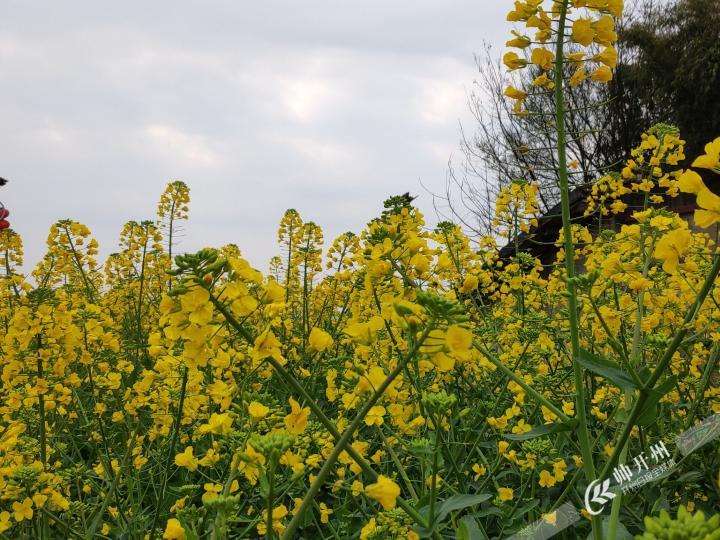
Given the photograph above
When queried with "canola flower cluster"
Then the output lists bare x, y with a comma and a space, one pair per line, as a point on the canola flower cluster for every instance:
591, 56
405, 382
416, 368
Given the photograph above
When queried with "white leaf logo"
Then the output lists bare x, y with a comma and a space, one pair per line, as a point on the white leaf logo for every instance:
601, 495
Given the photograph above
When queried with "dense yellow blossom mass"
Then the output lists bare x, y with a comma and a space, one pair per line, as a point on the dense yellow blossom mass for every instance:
404, 381
238, 380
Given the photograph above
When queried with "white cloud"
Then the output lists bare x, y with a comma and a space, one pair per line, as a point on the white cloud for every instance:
306, 97
53, 134
168, 142
327, 107
9, 48
441, 100
324, 153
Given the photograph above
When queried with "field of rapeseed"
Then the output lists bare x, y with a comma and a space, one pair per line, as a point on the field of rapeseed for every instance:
405, 382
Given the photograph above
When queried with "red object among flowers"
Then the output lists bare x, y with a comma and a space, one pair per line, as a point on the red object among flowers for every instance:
4, 223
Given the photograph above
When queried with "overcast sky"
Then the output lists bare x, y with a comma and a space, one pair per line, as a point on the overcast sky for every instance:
327, 106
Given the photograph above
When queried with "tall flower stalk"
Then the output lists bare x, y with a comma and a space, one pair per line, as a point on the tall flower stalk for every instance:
584, 33
569, 246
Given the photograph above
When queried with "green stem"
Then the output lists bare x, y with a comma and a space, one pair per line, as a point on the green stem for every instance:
629, 397
398, 465
113, 487
141, 291
89, 286
171, 453
41, 405
271, 477
315, 408
433, 483
573, 316
347, 436
615, 344
617, 501
170, 229
60, 522
43, 435
521, 382
9, 274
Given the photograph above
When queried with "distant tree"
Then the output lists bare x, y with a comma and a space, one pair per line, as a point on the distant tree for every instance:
672, 71
505, 146
668, 71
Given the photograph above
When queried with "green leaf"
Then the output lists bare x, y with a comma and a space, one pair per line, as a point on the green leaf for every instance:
689, 477
544, 429
458, 502
421, 451
621, 532
468, 529
650, 410
489, 511
505, 473
525, 508
606, 368
622, 416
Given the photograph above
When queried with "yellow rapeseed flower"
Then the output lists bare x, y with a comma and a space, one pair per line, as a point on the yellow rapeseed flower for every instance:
385, 491
513, 61
519, 41
375, 416
297, 420
218, 424
266, 344
709, 212
505, 494
543, 58
607, 56
672, 247
513, 93
582, 31
711, 158
546, 479
22, 510
602, 74
319, 340
325, 513
257, 411
479, 471
5, 522
186, 459
173, 530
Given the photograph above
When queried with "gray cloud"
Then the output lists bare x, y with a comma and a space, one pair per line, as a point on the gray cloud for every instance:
324, 106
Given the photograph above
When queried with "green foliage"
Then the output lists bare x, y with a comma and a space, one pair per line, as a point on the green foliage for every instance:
685, 526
